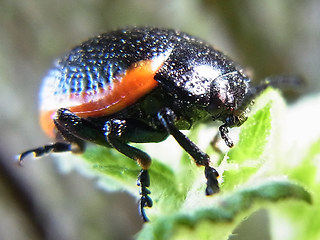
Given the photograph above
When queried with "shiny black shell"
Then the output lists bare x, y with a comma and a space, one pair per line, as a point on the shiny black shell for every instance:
195, 80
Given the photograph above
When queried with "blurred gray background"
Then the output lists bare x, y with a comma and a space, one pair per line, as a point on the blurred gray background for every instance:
37, 201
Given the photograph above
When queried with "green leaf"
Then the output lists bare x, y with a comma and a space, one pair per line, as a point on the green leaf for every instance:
302, 222
117, 172
253, 136
306, 171
223, 214
300, 163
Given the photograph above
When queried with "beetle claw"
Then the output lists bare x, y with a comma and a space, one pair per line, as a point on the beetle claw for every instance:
145, 201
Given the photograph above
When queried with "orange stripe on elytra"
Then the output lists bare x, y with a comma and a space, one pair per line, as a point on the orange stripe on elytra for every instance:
46, 122
137, 81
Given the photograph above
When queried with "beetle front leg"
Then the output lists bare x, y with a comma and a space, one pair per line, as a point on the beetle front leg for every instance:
167, 118
223, 129
231, 121
113, 131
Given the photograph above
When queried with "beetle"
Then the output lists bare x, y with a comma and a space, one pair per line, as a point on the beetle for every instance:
141, 85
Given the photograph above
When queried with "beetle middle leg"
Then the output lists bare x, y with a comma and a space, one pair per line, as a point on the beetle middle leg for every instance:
113, 130
167, 118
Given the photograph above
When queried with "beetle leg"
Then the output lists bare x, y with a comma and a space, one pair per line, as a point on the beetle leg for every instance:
231, 121
65, 122
224, 135
214, 143
113, 131
113, 134
145, 200
40, 151
167, 117
76, 129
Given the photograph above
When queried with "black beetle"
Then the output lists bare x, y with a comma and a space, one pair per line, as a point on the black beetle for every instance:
142, 85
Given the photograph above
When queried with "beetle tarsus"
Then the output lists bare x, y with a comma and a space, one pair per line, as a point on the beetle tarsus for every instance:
224, 135
145, 200
40, 151
212, 182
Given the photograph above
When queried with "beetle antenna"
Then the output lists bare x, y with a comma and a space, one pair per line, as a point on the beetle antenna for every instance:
279, 81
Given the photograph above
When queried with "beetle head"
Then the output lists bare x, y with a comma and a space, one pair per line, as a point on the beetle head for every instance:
228, 94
